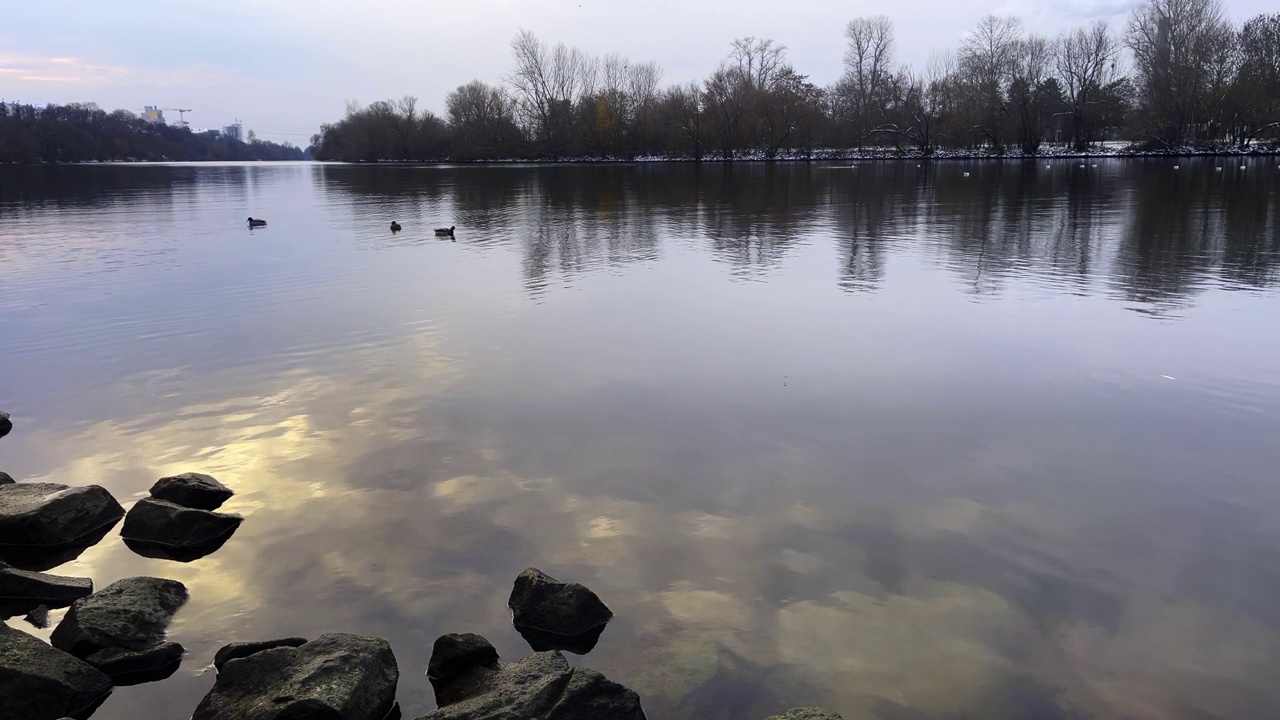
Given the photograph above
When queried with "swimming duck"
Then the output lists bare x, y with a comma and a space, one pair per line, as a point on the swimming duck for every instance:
256, 223
395, 226
446, 231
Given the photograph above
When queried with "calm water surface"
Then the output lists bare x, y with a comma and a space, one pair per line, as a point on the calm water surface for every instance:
887, 439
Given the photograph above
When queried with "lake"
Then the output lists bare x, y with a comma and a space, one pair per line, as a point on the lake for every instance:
972, 439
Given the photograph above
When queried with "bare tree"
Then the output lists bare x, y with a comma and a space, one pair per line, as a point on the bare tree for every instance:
758, 61
547, 83
864, 88
483, 121
682, 108
988, 59
1178, 51
725, 96
1257, 81
1085, 61
1031, 92
642, 85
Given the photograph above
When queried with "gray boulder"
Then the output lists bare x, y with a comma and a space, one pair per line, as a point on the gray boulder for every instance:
133, 667
121, 628
552, 615
6, 478
38, 682
6, 424
809, 713
50, 515
193, 490
233, 651
456, 653
338, 676
22, 591
542, 686
159, 528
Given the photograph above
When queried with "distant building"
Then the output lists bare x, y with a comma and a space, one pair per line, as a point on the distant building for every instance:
235, 131
153, 114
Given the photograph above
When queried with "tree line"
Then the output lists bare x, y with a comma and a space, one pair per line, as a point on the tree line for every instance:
1179, 73
82, 133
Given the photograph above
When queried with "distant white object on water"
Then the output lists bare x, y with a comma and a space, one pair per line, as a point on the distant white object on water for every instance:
1175, 167
966, 174
1242, 167
1219, 168
1046, 167
1095, 164
1081, 164
1168, 377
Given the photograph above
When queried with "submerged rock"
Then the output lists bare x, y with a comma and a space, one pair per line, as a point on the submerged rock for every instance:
456, 653
6, 478
809, 713
121, 628
6, 424
339, 676
193, 490
552, 615
542, 686
46, 517
134, 667
234, 651
38, 682
38, 618
22, 591
159, 528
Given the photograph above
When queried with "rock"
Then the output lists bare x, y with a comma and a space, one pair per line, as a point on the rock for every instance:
159, 528
47, 558
133, 667
234, 651
809, 713
338, 676
193, 490
542, 686
22, 591
38, 682
6, 478
456, 653
49, 516
127, 618
577, 644
6, 424
38, 618
552, 615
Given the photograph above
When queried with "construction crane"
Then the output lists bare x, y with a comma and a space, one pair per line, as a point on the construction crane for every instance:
182, 115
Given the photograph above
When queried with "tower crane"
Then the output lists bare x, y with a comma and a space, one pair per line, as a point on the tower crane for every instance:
182, 115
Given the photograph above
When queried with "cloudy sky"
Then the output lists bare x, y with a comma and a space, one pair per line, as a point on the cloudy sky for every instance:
285, 66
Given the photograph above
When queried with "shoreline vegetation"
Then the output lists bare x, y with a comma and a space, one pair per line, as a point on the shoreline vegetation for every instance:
86, 133
1178, 79
870, 155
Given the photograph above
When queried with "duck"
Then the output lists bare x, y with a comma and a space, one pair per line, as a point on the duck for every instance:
446, 231
395, 226
256, 223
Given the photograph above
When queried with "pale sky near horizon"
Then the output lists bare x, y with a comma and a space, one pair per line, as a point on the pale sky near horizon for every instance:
286, 66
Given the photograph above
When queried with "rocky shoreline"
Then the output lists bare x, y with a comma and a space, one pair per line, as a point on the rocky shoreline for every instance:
116, 636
